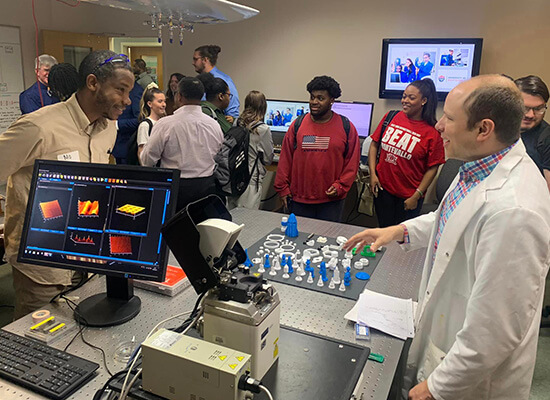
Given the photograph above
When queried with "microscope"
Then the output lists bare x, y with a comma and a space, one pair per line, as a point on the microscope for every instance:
241, 309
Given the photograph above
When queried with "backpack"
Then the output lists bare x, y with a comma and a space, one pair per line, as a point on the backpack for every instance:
132, 158
345, 123
232, 173
211, 112
389, 117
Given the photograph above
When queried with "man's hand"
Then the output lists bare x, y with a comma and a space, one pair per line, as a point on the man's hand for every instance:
411, 203
375, 237
229, 119
421, 392
375, 185
332, 192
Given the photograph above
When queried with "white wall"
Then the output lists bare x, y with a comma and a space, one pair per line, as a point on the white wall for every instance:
291, 41
52, 15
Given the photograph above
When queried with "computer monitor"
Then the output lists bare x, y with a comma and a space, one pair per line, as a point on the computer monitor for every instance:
281, 113
103, 219
447, 62
358, 113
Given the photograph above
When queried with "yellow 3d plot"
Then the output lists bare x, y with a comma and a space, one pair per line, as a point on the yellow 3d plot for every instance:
130, 210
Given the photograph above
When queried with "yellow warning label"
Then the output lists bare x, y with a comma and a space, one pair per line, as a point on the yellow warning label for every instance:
232, 366
276, 348
222, 357
240, 358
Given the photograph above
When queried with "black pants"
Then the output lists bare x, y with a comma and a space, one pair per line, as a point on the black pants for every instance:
331, 211
193, 189
390, 209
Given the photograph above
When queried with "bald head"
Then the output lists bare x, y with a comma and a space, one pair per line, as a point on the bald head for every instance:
496, 98
493, 80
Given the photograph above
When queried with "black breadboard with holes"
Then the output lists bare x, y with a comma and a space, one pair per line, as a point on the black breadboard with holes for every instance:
335, 369
352, 291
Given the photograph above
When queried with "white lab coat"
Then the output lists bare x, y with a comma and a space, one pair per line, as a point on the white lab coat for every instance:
480, 305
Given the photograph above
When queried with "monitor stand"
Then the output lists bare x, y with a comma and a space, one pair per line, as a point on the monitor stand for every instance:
115, 307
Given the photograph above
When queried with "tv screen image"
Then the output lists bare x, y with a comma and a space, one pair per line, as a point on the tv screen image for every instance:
281, 113
446, 61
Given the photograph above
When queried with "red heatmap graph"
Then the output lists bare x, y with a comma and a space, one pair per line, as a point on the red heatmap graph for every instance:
88, 208
120, 244
51, 210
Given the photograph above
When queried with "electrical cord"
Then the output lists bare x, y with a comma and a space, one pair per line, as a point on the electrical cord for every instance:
36, 49
137, 355
124, 394
246, 382
269, 198
72, 305
69, 4
123, 388
199, 314
355, 207
74, 337
85, 279
166, 320
184, 325
154, 330
93, 346
184, 328
82, 327
99, 393
267, 392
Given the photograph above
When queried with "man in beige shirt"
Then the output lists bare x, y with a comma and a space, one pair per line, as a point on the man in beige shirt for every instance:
80, 129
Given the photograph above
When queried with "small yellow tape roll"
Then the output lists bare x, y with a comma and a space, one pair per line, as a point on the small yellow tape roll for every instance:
40, 315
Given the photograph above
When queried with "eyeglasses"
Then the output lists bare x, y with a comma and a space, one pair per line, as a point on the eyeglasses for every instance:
538, 110
121, 58
197, 58
230, 95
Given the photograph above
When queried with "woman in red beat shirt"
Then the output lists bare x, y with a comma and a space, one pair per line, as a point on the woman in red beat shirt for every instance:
410, 150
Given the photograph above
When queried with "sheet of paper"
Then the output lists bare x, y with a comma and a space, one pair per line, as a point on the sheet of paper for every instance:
388, 314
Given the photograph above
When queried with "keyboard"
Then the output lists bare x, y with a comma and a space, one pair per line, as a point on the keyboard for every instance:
41, 368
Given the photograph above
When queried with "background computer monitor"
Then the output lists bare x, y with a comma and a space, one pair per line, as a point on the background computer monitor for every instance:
104, 219
453, 61
281, 113
358, 113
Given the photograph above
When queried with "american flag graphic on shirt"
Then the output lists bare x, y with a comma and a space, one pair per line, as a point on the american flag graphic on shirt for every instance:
312, 142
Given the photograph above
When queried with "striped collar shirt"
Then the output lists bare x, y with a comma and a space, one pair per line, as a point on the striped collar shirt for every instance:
470, 175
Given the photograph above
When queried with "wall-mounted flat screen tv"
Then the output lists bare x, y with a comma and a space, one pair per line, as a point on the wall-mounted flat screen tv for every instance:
446, 61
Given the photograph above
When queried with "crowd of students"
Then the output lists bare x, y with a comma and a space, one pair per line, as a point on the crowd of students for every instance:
470, 277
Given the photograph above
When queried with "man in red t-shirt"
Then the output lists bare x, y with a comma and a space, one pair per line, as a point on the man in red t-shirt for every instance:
318, 164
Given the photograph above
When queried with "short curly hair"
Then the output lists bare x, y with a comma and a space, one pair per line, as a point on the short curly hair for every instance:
325, 83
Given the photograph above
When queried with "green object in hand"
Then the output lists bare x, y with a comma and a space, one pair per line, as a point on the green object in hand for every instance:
367, 253
376, 357
354, 251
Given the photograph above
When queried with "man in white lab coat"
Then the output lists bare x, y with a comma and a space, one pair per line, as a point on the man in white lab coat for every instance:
488, 252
